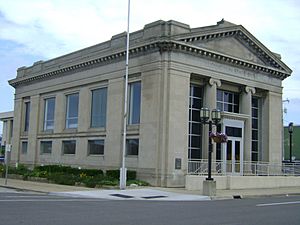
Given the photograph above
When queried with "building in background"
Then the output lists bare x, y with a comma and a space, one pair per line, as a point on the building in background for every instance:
295, 143
68, 110
7, 128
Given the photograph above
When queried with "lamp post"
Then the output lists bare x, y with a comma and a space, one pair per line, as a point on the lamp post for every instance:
215, 119
291, 135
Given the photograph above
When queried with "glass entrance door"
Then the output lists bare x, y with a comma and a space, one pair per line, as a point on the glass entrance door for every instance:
233, 156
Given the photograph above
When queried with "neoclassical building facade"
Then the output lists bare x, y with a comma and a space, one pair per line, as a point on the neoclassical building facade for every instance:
69, 110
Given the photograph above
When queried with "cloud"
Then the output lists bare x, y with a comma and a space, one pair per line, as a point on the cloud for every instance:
45, 29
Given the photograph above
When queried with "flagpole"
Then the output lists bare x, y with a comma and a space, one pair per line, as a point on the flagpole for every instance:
123, 169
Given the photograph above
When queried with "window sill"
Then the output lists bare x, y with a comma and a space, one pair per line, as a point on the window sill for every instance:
70, 130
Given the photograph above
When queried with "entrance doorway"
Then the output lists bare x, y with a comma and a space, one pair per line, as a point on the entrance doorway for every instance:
233, 150
233, 156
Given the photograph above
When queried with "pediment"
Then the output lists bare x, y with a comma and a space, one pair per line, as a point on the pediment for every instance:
231, 46
237, 42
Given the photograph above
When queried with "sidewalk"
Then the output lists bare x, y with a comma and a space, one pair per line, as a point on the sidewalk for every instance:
142, 193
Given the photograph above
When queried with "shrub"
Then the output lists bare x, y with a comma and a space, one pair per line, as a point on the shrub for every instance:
131, 175
62, 178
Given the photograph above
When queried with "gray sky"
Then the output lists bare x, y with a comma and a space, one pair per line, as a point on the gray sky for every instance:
32, 30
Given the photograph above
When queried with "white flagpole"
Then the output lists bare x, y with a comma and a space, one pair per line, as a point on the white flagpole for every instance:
123, 169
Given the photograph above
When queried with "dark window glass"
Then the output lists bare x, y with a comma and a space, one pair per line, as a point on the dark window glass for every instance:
254, 156
196, 128
72, 111
69, 147
132, 146
195, 103
195, 141
255, 102
195, 131
49, 114
24, 147
196, 115
233, 131
196, 91
236, 99
134, 103
254, 123
236, 109
254, 134
195, 153
27, 115
254, 112
96, 147
46, 147
99, 103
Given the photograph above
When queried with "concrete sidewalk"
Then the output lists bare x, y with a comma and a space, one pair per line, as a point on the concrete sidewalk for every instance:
142, 193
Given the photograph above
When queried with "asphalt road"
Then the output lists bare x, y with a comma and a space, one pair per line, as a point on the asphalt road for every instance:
41, 209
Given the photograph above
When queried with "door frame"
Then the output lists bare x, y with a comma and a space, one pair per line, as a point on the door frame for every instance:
237, 124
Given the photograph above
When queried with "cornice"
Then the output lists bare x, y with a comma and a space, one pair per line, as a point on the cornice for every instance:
161, 46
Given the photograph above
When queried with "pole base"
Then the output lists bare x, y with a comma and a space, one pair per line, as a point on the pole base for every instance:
209, 187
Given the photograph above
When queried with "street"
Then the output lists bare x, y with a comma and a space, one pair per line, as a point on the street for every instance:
43, 209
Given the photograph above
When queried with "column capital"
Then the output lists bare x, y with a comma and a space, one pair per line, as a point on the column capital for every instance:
213, 81
249, 89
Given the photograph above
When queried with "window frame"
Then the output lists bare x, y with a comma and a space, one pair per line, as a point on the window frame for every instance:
68, 125
228, 101
104, 111
134, 110
134, 154
63, 147
41, 147
27, 108
24, 151
46, 120
89, 147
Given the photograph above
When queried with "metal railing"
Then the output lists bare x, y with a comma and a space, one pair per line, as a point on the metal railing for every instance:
222, 168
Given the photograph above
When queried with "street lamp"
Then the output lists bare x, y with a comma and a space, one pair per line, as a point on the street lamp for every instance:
215, 119
291, 134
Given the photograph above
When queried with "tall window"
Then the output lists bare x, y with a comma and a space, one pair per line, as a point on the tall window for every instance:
72, 111
227, 101
132, 147
49, 114
195, 128
27, 115
255, 129
69, 147
24, 147
134, 103
99, 102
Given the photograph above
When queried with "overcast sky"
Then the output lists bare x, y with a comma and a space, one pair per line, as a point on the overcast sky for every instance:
32, 30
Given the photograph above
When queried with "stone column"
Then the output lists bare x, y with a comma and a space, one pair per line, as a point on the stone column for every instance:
33, 154
246, 108
210, 102
59, 114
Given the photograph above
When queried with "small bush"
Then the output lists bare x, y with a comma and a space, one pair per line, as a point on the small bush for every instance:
131, 175
62, 178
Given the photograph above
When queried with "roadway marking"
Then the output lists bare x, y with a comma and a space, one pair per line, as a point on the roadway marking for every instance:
52, 200
278, 203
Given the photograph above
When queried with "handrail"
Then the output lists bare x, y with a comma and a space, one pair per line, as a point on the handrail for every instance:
245, 168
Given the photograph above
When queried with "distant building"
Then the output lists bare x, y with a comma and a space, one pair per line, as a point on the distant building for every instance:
69, 110
7, 128
295, 143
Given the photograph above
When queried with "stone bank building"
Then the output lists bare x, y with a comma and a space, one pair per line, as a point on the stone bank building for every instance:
69, 110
